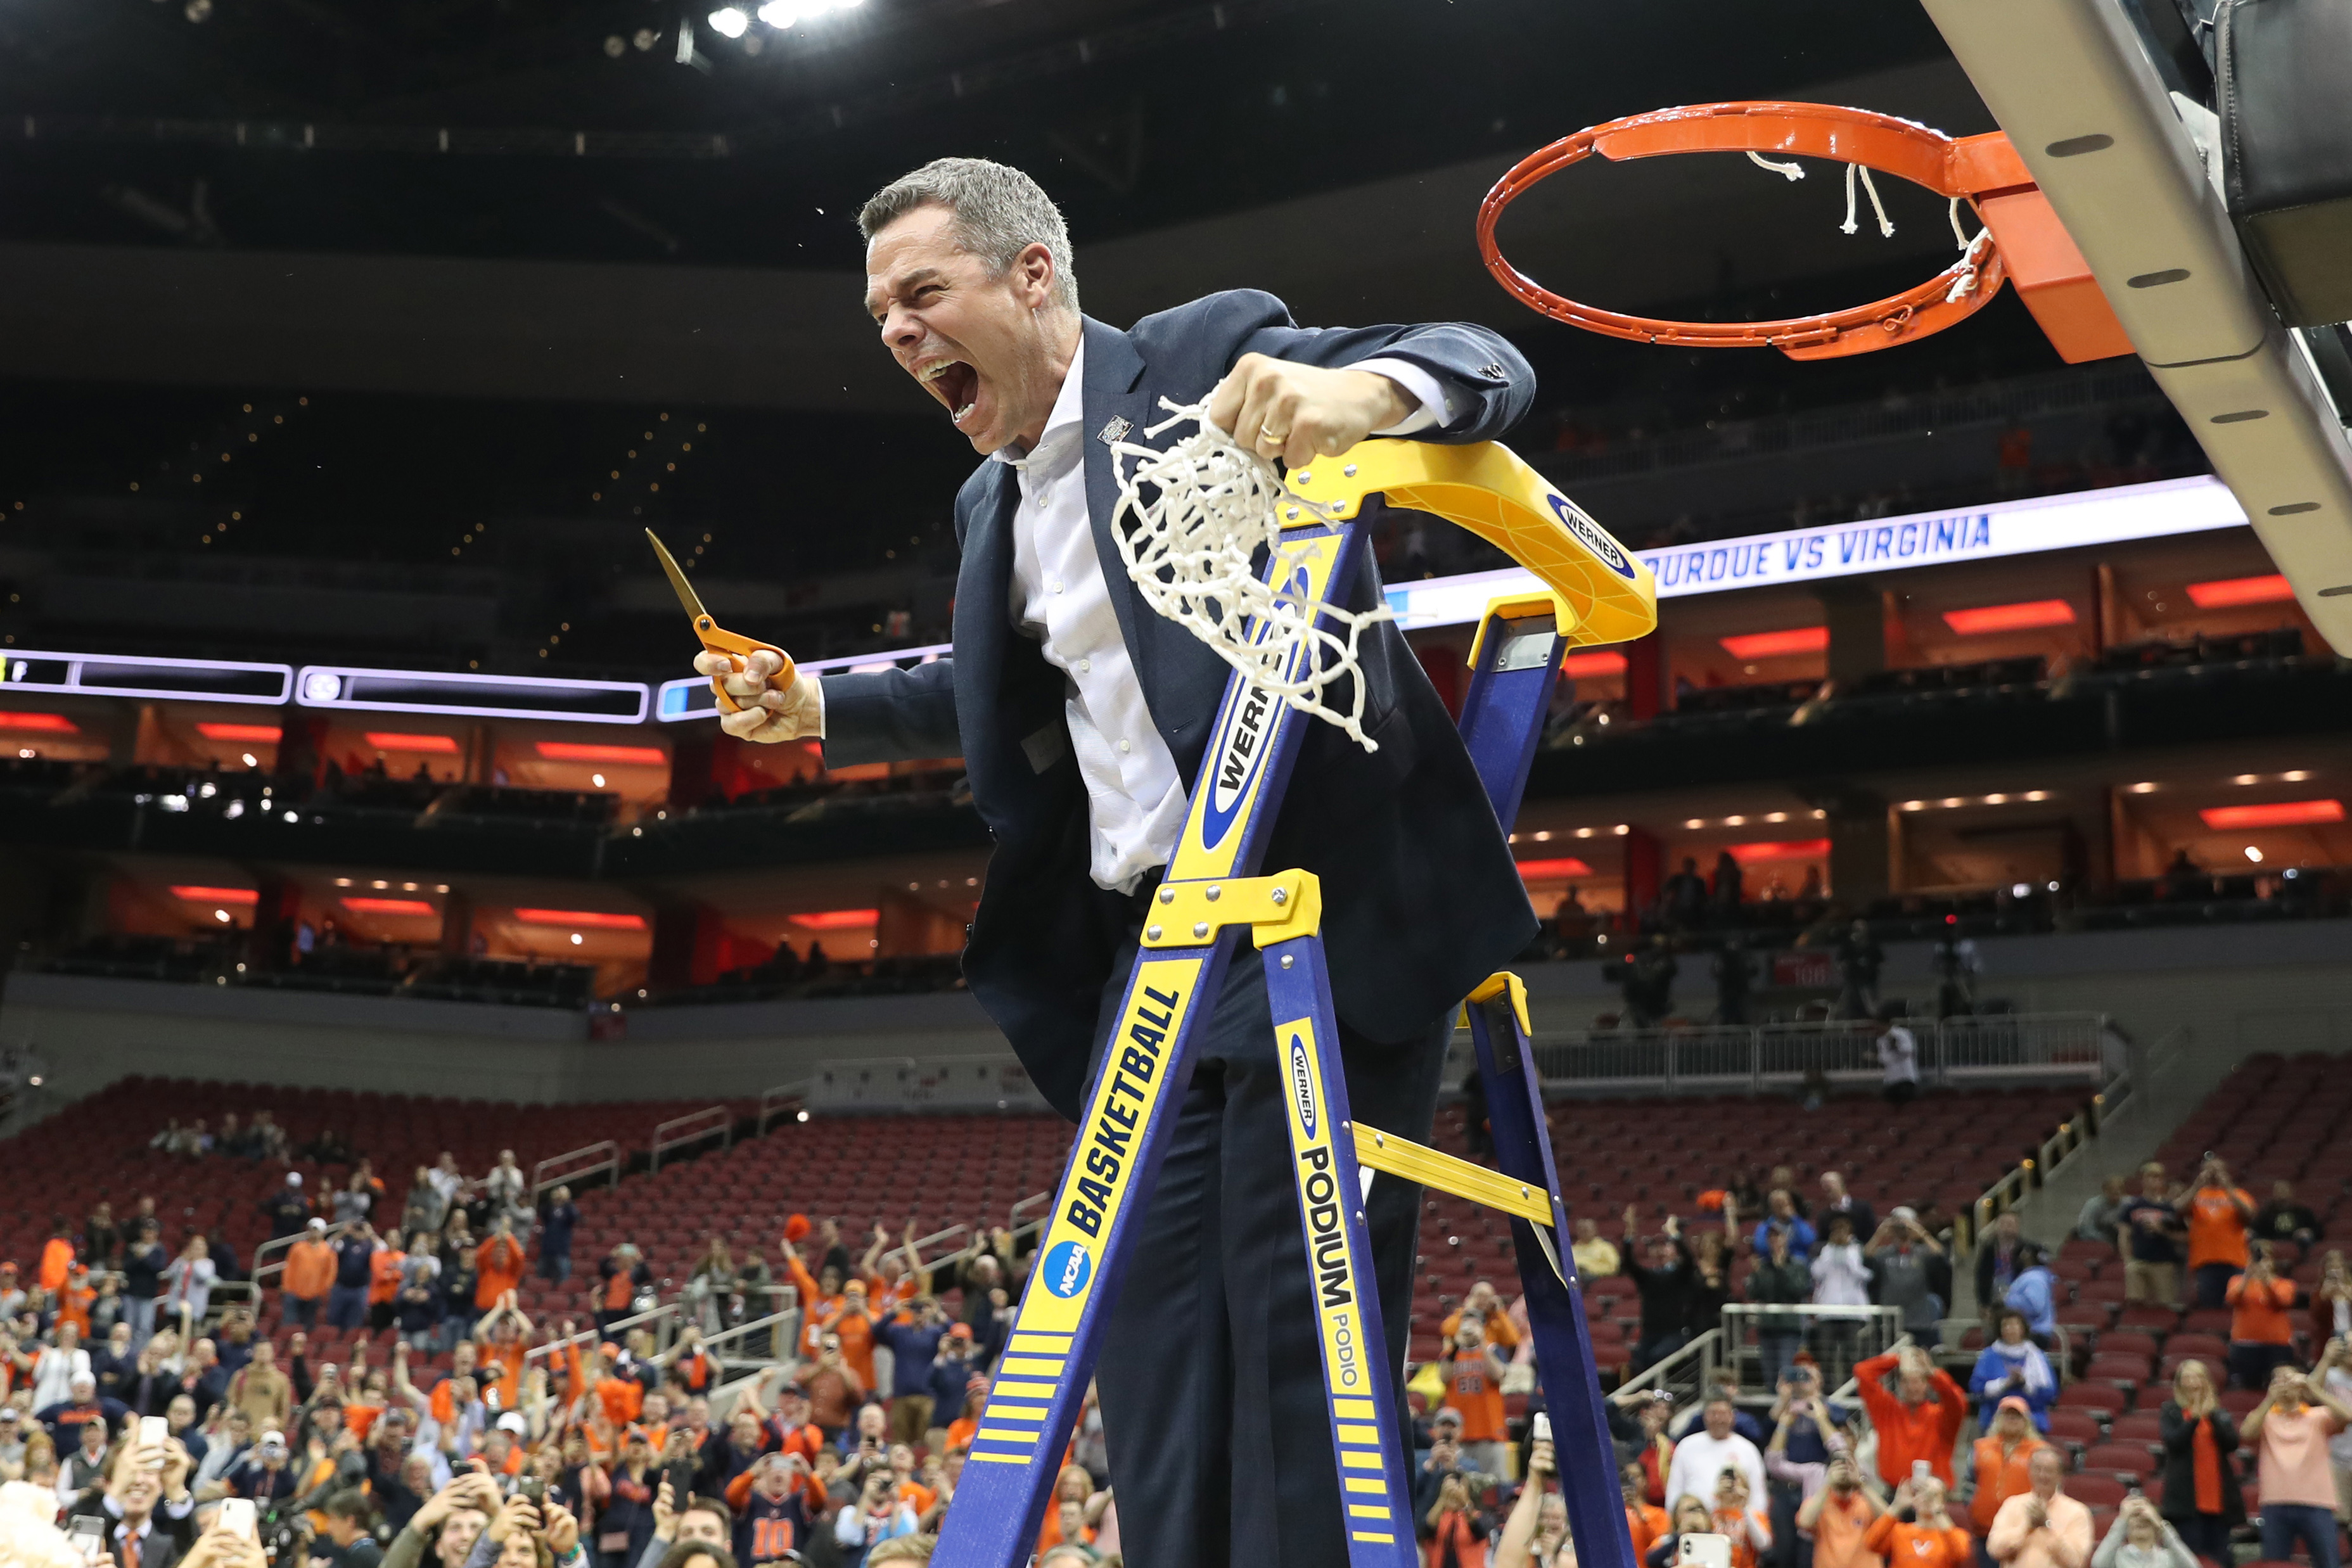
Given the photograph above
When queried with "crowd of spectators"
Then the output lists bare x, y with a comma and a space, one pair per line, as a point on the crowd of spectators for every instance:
457, 1428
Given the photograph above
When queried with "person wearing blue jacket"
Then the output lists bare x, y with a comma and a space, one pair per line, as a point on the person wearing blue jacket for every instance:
2013, 1364
1781, 1214
913, 1336
953, 1367
2034, 1293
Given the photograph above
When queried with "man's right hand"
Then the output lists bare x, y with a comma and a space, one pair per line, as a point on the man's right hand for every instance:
769, 714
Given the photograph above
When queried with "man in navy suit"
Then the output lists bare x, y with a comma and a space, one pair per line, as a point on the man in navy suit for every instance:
1082, 719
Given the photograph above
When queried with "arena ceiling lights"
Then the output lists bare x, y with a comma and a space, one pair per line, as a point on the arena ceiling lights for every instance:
250, 734
1553, 870
1778, 644
581, 751
581, 919
411, 907
2024, 616
836, 919
2275, 814
2229, 591
39, 724
247, 896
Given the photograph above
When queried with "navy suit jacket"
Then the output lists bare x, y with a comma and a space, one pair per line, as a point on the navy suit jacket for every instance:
1421, 901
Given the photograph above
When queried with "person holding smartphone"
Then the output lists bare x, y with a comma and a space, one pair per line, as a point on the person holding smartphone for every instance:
147, 1515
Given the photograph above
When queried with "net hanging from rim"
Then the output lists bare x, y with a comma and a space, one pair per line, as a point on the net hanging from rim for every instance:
1190, 523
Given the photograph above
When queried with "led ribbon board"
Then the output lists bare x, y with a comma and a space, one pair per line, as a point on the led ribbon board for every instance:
2087, 519
113, 676
471, 696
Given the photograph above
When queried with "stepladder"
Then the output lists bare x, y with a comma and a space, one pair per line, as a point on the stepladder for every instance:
1214, 895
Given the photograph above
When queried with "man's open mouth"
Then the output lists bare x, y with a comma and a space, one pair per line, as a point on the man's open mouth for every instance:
954, 383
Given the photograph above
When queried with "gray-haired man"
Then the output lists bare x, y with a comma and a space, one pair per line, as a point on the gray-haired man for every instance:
1082, 718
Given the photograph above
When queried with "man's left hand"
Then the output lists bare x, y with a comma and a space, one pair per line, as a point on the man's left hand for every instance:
1299, 413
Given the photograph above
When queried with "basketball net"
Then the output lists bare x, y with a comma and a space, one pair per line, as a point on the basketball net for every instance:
1191, 522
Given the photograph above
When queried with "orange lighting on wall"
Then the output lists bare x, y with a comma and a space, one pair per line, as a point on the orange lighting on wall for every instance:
1779, 644
582, 751
581, 919
384, 741
217, 895
836, 919
42, 723
2224, 592
416, 906
1552, 870
1785, 850
256, 734
1577, 667
2276, 814
2023, 616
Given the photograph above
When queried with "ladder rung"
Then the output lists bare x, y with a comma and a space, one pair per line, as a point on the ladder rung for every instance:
1414, 1161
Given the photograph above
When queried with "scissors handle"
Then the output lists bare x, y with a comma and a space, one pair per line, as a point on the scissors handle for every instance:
737, 647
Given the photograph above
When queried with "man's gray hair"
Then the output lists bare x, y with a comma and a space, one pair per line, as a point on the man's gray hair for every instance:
1000, 211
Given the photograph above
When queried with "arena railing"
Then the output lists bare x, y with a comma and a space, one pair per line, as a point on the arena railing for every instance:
600, 1158
2071, 1138
1996, 1049
694, 1127
269, 1257
662, 1320
1876, 1331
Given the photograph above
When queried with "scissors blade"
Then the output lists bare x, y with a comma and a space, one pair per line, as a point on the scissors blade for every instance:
685, 594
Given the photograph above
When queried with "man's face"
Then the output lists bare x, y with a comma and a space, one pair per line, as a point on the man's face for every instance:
1781, 1204
978, 344
2043, 1471
459, 1533
701, 1526
872, 1423
135, 1488
656, 1410
181, 1413
1833, 1185
265, 1355
744, 1428
2006, 1226
1718, 1419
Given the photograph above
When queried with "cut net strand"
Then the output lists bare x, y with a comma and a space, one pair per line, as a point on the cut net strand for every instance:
1193, 523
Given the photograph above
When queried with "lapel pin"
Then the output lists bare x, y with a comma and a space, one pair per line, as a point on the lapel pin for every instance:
1113, 430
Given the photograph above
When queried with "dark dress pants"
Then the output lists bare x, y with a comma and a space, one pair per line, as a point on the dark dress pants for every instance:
1212, 1373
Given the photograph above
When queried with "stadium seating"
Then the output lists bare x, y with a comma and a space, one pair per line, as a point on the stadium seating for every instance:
96, 1149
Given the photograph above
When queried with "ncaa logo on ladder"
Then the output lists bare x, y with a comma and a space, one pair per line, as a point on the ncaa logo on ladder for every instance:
1067, 1269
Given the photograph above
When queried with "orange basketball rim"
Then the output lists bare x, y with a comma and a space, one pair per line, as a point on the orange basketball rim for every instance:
2022, 237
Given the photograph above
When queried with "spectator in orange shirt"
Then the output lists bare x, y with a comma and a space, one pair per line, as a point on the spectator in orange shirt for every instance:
1931, 1540
1483, 1307
1999, 1460
1838, 1518
853, 1325
1916, 1419
497, 1265
1645, 1521
2261, 1324
961, 1429
57, 1255
622, 1274
309, 1272
383, 1281
1474, 1385
2219, 1216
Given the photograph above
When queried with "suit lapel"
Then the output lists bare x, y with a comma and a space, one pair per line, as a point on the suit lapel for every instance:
1114, 373
984, 593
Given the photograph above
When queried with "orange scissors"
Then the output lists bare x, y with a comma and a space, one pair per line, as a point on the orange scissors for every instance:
716, 639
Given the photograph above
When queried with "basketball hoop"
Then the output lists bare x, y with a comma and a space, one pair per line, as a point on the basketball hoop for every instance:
1959, 170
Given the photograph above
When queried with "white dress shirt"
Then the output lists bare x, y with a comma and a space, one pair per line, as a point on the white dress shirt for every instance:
1059, 595
1136, 800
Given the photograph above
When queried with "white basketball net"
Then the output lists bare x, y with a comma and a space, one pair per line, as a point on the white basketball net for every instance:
1191, 523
